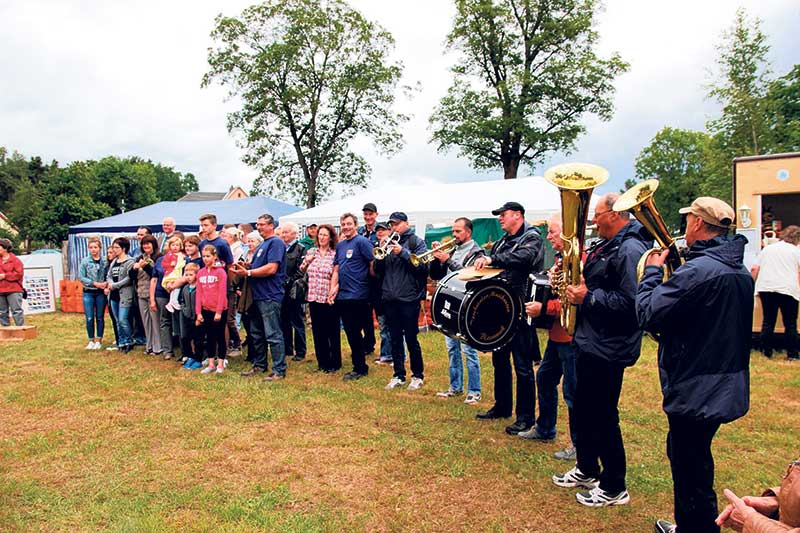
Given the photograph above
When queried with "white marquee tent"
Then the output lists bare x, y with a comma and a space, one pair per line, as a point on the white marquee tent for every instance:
438, 204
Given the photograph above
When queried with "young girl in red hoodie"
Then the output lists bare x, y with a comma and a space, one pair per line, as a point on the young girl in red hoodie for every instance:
211, 304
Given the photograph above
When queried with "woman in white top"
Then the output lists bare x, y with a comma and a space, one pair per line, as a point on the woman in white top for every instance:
777, 275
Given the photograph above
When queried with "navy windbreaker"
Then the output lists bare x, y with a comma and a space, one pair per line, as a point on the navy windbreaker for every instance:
704, 314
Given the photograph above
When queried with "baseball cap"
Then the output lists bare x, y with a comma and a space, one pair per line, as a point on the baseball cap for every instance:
398, 216
381, 225
369, 206
711, 211
312, 225
509, 206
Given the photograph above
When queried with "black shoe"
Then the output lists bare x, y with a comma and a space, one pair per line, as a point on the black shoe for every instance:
252, 372
518, 427
298, 358
491, 414
768, 354
792, 358
353, 376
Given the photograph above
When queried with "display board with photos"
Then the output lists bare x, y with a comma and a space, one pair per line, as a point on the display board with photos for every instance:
40, 284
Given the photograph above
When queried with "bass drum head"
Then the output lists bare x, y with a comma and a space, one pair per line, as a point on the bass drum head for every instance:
446, 306
490, 315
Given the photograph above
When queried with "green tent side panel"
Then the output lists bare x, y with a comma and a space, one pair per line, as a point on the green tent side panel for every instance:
487, 230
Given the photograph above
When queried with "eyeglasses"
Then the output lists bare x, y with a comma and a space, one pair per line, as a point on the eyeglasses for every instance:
598, 215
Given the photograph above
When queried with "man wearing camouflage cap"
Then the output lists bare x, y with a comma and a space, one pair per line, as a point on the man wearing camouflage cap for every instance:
703, 316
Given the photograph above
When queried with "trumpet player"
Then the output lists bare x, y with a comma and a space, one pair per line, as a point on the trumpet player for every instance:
464, 254
403, 286
702, 314
607, 340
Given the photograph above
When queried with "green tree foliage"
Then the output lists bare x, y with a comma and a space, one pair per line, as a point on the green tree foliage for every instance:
124, 184
65, 201
527, 75
742, 85
678, 158
311, 76
44, 200
783, 112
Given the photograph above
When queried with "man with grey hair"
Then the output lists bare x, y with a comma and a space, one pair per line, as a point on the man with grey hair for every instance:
607, 340
168, 229
293, 315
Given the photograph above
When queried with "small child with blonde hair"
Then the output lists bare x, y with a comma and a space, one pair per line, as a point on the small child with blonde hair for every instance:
173, 263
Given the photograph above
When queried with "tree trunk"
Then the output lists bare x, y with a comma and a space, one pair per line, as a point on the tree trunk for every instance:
311, 197
510, 168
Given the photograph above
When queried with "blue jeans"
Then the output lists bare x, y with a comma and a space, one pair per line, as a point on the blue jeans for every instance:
386, 339
454, 349
94, 308
124, 327
265, 331
559, 359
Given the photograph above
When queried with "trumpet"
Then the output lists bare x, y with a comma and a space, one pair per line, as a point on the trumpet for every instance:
380, 252
447, 246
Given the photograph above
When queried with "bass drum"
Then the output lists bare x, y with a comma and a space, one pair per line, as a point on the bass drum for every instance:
482, 313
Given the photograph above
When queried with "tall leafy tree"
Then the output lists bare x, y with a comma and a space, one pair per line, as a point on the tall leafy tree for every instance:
311, 76
678, 158
741, 86
124, 184
783, 111
527, 74
65, 200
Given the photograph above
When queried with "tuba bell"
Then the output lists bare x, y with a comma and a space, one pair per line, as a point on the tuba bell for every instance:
575, 182
639, 201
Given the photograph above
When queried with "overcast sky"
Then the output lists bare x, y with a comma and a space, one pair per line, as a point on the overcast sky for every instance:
87, 79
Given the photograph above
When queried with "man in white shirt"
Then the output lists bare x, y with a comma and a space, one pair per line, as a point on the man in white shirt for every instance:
777, 275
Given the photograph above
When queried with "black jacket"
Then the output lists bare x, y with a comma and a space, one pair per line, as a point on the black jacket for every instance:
294, 284
400, 281
606, 324
703, 313
519, 255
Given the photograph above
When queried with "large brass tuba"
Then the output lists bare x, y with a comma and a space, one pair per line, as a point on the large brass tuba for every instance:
575, 182
638, 200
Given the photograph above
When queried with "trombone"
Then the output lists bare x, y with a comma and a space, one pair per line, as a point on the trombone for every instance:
380, 252
447, 246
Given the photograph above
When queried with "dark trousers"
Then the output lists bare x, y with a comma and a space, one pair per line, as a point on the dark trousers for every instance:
599, 384
234, 341
293, 325
213, 334
354, 315
403, 321
191, 339
247, 344
113, 323
327, 340
265, 332
139, 335
523, 349
689, 452
559, 360
369, 333
770, 303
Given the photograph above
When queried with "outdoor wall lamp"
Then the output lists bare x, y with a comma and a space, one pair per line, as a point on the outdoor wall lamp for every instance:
744, 216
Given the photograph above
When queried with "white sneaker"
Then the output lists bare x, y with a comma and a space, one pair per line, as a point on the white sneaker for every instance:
97, 345
207, 370
597, 497
575, 478
416, 384
112, 348
90, 346
394, 383
220, 369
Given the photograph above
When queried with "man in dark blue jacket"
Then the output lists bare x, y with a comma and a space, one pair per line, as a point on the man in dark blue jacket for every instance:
607, 340
702, 314
519, 252
402, 288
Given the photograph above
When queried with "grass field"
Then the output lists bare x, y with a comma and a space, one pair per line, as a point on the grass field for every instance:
103, 441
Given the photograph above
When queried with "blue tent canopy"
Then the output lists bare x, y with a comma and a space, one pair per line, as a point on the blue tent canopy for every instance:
187, 214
